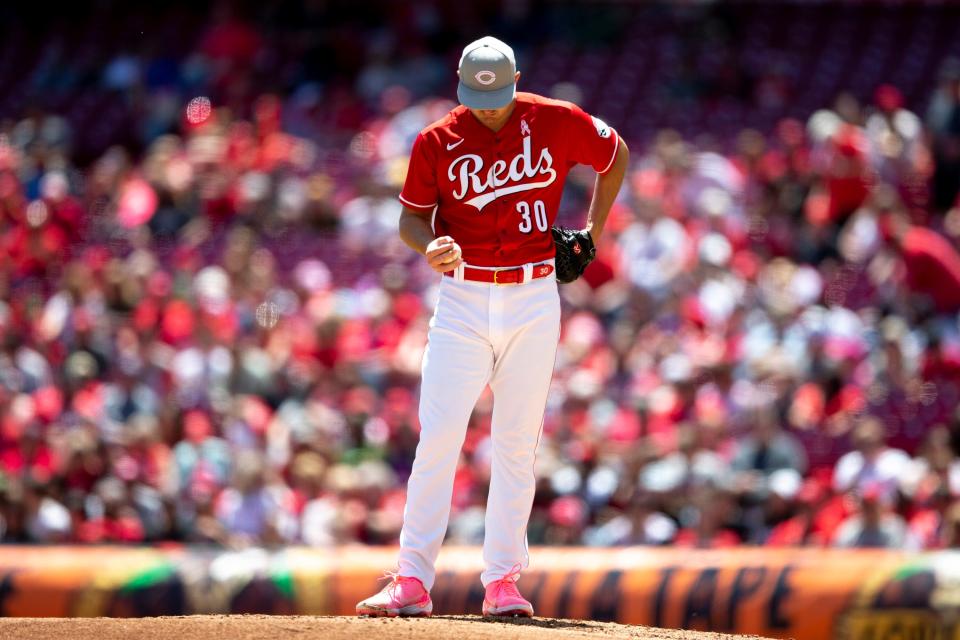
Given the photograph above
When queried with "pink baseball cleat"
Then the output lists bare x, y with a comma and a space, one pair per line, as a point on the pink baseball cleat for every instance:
404, 596
503, 599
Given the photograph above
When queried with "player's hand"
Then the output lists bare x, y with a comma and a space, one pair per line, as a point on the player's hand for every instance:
443, 254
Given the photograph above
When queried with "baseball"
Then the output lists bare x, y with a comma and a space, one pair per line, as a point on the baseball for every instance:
454, 255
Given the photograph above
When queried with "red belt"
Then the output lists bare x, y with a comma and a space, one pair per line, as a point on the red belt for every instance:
513, 275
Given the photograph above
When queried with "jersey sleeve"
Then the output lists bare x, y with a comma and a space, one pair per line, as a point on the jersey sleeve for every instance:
593, 141
420, 188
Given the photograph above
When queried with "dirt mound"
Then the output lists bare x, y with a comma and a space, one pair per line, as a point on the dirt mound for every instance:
327, 628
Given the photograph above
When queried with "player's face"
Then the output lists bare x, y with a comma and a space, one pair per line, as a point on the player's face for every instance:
493, 118
496, 118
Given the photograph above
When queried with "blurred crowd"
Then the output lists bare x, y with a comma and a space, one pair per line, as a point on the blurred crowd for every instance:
218, 340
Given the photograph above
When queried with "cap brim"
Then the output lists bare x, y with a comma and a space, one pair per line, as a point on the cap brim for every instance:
496, 99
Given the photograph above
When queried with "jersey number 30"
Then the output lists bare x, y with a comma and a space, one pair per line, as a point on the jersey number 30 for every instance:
539, 212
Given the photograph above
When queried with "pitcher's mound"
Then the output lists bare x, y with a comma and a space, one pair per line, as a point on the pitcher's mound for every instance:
249, 627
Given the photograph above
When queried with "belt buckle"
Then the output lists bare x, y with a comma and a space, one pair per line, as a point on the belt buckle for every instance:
512, 269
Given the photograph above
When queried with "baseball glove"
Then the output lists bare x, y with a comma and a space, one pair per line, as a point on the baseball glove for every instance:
575, 251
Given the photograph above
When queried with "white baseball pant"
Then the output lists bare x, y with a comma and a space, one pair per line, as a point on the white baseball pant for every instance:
504, 335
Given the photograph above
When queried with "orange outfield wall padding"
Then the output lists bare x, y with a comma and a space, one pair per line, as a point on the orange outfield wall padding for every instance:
806, 594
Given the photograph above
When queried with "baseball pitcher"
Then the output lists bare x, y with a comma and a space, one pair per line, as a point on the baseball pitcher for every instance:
479, 202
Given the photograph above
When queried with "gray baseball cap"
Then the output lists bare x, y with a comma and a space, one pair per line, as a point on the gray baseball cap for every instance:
487, 68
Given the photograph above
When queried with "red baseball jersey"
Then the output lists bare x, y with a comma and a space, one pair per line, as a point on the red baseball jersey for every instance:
497, 193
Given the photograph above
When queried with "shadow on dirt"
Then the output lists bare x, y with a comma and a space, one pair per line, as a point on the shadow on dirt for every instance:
543, 623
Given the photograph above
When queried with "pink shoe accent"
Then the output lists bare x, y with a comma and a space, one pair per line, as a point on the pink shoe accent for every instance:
403, 596
503, 599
